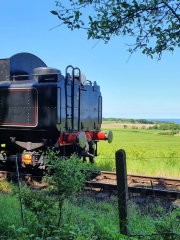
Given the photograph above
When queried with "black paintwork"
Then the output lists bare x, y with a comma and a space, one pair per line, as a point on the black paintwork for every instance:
33, 110
18, 106
24, 64
19, 64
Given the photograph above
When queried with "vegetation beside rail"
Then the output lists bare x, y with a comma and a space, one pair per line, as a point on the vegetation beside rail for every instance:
84, 218
62, 212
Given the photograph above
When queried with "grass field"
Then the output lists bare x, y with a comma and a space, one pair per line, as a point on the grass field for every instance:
146, 151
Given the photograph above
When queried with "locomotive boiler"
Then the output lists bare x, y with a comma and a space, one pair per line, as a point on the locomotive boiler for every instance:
40, 108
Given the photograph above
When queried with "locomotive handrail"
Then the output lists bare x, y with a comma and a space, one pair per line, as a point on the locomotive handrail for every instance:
21, 75
59, 104
79, 105
100, 109
15, 76
29, 75
67, 69
72, 98
76, 68
33, 74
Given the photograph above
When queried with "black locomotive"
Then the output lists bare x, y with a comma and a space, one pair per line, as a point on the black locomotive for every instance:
40, 108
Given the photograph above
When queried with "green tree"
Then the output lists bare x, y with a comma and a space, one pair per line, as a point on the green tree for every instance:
132, 120
142, 121
154, 24
169, 126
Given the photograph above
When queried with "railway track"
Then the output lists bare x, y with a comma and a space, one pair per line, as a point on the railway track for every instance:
145, 185
106, 181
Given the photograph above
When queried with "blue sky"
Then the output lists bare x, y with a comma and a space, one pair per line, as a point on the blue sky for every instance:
139, 88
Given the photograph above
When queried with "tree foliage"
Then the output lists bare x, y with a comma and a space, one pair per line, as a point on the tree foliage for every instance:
154, 25
169, 126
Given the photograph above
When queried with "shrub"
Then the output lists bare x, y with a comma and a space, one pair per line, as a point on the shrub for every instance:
155, 126
68, 177
172, 132
64, 177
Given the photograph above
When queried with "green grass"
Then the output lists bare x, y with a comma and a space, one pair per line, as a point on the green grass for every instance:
81, 215
85, 216
146, 152
9, 212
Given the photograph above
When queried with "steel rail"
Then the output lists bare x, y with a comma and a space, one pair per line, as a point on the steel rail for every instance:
145, 178
145, 191
158, 189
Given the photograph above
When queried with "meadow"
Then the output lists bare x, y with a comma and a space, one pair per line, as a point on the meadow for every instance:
147, 152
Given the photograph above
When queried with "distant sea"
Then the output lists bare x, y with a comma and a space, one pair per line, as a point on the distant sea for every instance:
166, 120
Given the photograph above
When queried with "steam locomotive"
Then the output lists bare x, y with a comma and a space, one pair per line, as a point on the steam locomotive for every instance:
40, 108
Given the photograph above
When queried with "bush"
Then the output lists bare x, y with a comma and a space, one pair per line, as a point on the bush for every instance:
172, 132
68, 177
64, 177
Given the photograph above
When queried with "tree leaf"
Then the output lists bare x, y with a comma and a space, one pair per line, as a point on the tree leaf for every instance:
54, 12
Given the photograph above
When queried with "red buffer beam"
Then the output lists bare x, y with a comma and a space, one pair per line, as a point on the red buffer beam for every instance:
82, 137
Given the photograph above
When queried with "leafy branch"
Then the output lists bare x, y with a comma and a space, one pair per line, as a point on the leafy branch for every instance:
153, 24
